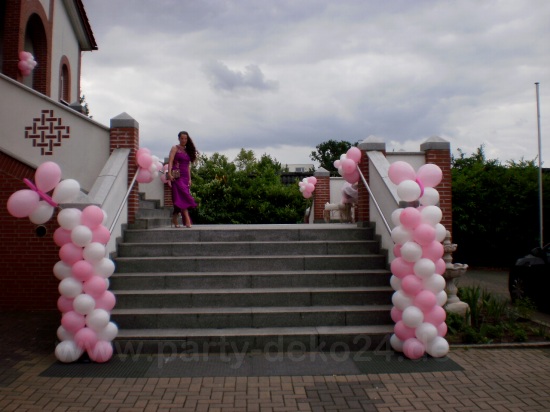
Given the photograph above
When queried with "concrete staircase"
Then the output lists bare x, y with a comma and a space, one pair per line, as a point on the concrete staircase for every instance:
229, 288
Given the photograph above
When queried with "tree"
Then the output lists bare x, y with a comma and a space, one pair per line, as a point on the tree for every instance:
246, 190
329, 151
495, 209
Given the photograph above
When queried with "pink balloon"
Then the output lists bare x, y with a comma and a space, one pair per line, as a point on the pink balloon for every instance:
354, 154
410, 217
101, 235
352, 177
400, 171
396, 314
442, 329
141, 151
430, 175
70, 253
92, 216
309, 187
435, 315
306, 194
424, 234
440, 267
145, 160
61, 236
411, 285
82, 270
106, 301
397, 250
95, 286
401, 268
23, 202
402, 331
64, 304
433, 251
413, 348
348, 166
73, 321
85, 338
47, 176
144, 176
425, 300
312, 180
102, 352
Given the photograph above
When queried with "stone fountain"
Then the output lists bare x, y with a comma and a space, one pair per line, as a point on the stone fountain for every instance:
453, 271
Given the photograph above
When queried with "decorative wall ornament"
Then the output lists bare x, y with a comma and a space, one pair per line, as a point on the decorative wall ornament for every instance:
47, 132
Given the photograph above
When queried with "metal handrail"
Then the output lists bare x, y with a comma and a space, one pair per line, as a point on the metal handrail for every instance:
119, 211
374, 200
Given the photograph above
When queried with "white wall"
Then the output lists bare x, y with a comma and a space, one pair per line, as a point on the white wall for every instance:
82, 155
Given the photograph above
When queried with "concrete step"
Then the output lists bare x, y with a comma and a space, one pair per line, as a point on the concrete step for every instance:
257, 279
249, 263
255, 297
252, 317
238, 248
234, 341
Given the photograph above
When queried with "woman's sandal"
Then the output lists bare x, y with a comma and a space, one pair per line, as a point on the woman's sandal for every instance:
174, 221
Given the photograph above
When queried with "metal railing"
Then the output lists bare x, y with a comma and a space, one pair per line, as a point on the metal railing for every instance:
374, 200
123, 203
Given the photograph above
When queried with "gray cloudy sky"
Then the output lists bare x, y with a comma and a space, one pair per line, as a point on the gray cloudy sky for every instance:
282, 76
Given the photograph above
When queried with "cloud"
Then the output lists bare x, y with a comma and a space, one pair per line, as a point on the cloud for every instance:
223, 78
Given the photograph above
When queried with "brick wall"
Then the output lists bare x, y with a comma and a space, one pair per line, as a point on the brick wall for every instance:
27, 279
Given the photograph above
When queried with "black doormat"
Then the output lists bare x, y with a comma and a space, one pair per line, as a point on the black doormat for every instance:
265, 364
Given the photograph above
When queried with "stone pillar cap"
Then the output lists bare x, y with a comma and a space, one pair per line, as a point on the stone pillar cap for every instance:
372, 143
124, 120
321, 172
435, 143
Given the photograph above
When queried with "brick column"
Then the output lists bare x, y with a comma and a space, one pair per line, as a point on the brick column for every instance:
438, 152
371, 143
321, 194
125, 134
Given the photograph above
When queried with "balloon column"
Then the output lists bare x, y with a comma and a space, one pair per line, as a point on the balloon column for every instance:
347, 165
149, 165
84, 269
307, 186
26, 63
418, 265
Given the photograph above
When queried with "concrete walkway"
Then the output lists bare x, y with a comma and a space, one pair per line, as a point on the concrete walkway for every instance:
470, 379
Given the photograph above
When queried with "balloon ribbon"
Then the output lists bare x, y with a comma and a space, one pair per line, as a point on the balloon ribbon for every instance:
40, 192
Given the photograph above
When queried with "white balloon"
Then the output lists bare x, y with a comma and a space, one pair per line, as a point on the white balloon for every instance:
424, 268
98, 319
431, 214
440, 232
400, 235
395, 282
430, 197
105, 267
438, 347
434, 283
401, 300
42, 213
426, 332
441, 298
413, 317
396, 343
70, 287
64, 334
81, 235
94, 252
84, 304
67, 351
69, 218
66, 191
108, 333
408, 190
395, 216
411, 251
61, 270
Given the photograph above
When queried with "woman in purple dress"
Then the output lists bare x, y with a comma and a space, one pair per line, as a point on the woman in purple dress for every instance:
181, 157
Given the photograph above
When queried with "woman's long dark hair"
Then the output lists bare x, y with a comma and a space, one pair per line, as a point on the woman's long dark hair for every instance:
190, 148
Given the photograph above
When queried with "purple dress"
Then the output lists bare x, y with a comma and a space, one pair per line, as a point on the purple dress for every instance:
181, 196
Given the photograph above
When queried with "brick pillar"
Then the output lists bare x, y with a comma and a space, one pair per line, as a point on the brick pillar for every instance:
371, 143
438, 152
321, 194
125, 134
